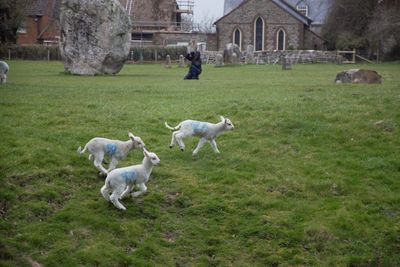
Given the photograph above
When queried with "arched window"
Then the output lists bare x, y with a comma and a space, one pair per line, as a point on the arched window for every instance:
302, 7
237, 38
259, 34
281, 40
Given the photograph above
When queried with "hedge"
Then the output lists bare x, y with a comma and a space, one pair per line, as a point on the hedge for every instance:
41, 52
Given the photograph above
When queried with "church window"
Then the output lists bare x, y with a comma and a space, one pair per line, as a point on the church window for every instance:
281, 40
237, 38
259, 34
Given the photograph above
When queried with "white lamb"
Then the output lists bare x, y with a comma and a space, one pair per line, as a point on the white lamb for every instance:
205, 130
116, 149
120, 182
4, 68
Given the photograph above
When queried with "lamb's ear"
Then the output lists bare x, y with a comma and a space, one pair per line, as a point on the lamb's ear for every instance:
145, 152
131, 136
222, 118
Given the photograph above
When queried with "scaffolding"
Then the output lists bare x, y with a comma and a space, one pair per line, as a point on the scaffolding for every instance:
184, 6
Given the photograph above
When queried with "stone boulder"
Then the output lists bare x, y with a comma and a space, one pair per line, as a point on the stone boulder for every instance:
358, 76
232, 54
95, 36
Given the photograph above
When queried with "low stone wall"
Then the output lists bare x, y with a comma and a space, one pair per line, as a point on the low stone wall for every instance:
275, 57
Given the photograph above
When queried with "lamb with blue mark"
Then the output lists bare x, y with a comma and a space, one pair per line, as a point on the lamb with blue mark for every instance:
205, 130
99, 147
121, 181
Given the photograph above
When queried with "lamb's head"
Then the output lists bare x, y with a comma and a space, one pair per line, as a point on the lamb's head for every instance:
151, 156
137, 141
227, 123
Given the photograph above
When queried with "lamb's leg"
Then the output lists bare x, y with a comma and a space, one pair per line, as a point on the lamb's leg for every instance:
214, 146
173, 140
98, 159
178, 137
105, 191
116, 195
199, 145
127, 190
142, 189
113, 164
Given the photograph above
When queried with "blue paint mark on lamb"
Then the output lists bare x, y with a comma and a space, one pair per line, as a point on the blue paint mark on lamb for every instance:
199, 127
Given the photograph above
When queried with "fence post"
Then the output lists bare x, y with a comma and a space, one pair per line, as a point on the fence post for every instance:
9, 53
48, 54
155, 55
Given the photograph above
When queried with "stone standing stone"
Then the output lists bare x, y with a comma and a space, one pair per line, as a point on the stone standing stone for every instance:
286, 64
181, 61
358, 76
4, 68
168, 61
229, 51
249, 55
95, 36
219, 60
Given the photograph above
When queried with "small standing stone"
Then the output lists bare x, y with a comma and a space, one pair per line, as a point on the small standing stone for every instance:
181, 61
249, 55
286, 65
168, 61
219, 60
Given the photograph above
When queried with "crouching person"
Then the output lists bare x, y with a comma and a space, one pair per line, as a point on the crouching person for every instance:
195, 65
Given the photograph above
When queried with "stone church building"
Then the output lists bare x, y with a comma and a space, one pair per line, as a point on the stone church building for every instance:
271, 25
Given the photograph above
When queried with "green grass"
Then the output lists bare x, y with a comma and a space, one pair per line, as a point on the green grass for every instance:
309, 176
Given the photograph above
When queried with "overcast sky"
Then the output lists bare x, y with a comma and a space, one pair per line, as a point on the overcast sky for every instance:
208, 9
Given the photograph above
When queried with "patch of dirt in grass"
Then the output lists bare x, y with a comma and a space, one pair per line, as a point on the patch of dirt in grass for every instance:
318, 238
4, 206
33, 263
386, 126
24, 180
170, 237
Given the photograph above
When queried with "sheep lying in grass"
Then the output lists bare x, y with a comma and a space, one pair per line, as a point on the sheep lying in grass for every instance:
205, 130
99, 147
121, 181
4, 68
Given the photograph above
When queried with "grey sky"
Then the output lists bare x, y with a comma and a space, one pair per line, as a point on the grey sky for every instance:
208, 9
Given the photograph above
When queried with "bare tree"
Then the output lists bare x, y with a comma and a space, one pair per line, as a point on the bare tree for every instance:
204, 25
12, 13
364, 25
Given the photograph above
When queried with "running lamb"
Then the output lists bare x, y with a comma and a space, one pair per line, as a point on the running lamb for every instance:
205, 130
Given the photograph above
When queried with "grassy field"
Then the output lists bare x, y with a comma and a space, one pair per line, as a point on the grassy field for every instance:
309, 176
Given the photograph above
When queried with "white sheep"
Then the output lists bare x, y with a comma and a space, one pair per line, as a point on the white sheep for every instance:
4, 68
205, 130
116, 149
120, 182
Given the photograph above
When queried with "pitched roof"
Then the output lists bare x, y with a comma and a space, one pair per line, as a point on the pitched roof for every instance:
282, 4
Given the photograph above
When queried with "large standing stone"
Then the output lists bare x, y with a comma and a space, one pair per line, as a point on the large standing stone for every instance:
358, 76
95, 36
232, 54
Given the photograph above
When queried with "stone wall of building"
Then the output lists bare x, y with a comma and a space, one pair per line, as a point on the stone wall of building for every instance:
275, 18
275, 57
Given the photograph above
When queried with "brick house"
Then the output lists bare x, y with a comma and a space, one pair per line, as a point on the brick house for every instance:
154, 22
41, 24
267, 25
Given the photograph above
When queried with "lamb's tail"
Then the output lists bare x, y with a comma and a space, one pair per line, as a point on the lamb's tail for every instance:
172, 128
81, 151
